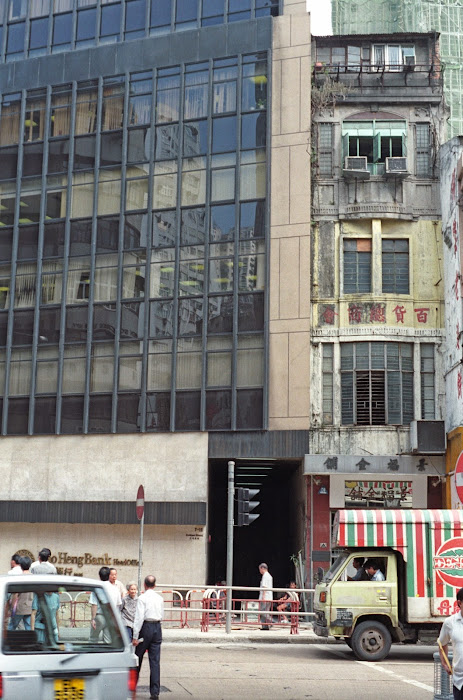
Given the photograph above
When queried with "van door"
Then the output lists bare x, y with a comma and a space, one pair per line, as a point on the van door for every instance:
350, 599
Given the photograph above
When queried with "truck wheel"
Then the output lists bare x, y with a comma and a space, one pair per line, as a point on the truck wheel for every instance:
371, 641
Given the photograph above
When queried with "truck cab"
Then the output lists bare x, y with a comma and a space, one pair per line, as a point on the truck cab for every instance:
364, 613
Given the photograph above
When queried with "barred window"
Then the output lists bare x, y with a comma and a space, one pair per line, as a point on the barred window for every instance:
395, 266
427, 382
325, 150
327, 388
357, 265
376, 383
423, 150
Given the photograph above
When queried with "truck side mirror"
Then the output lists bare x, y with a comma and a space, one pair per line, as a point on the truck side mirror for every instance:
320, 573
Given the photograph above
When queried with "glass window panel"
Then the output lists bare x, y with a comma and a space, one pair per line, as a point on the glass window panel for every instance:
193, 226
113, 107
167, 142
165, 185
186, 11
23, 327
224, 97
99, 414
52, 282
254, 86
218, 410
130, 373
107, 235
86, 107
159, 375
250, 365
222, 222
223, 184
161, 11
9, 123
128, 413
251, 272
17, 9
62, 31
110, 20
161, 319
249, 409
162, 280
27, 242
138, 146
81, 237
135, 15
221, 275
158, 411
104, 321
83, 187
9, 160
190, 316
47, 377
133, 282
196, 96
18, 413
187, 410
15, 42
164, 228
58, 156
109, 195
219, 369
220, 314
223, 134
252, 220
6, 241
84, 153
49, 325
86, 20
20, 372
254, 130
76, 324
38, 37
193, 187
44, 415
195, 138
38, 8
189, 363
111, 149
253, 181
136, 194
168, 98
72, 410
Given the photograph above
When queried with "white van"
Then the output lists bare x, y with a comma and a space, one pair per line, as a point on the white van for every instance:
51, 646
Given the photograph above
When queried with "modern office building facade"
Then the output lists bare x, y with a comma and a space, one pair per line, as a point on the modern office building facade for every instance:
136, 319
392, 16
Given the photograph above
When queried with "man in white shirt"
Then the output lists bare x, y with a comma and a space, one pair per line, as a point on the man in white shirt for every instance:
452, 631
147, 633
46, 567
98, 623
373, 570
114, 582
15, 567
265, 596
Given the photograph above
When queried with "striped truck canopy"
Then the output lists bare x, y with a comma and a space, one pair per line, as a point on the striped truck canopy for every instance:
418, 534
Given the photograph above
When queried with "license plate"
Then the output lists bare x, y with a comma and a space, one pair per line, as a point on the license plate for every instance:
69, 689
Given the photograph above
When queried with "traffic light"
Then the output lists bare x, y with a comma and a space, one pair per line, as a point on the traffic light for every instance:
245, 506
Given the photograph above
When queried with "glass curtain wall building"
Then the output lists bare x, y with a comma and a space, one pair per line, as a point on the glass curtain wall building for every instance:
133, 216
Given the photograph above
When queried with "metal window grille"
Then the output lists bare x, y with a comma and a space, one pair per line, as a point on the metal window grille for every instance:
325, 150
427, 382
395, 266
357, 265
423, 150
327, 383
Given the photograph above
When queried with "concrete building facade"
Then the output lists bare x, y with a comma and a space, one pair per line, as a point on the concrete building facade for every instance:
154, 267
377, 280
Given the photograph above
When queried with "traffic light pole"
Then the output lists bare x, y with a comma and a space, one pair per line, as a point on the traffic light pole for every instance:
231, 494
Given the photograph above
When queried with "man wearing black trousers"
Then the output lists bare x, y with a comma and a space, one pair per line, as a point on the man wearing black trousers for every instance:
147, 633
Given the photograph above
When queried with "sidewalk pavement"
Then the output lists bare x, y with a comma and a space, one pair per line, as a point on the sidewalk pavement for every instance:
243, 634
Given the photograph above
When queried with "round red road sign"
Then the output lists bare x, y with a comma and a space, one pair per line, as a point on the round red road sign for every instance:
140, 502
459, 477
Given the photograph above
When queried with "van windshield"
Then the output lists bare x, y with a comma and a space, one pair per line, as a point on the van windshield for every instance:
51, 618
334, 568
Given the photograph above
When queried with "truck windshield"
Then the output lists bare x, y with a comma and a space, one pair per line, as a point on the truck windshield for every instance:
333, 570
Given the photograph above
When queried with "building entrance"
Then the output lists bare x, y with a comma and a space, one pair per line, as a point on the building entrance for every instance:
273, 537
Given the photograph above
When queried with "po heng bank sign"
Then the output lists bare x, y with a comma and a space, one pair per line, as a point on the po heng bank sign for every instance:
66, 562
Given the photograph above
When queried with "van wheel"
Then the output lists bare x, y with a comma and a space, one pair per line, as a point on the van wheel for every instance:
371, 641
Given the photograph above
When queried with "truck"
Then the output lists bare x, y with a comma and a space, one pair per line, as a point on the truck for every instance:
419, 552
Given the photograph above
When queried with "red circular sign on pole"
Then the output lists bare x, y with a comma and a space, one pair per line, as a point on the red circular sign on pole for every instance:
140, 502
459, 477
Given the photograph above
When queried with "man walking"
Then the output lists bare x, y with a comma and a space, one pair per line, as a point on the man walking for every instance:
147, 633
452, 631
265, 596
46, 567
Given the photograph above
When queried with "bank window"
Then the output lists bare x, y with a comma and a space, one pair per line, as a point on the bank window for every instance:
395, 266
110, 23
376, 383
357, 265
160, 16
15, 41
327, 383
62, 32
38, 37
427, 382
375, 141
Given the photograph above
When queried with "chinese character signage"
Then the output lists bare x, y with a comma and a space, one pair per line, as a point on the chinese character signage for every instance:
378, 494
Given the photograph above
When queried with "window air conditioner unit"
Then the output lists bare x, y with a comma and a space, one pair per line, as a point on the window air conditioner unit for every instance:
396, 166
410, 62
427, 437
355, 163
356, 167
